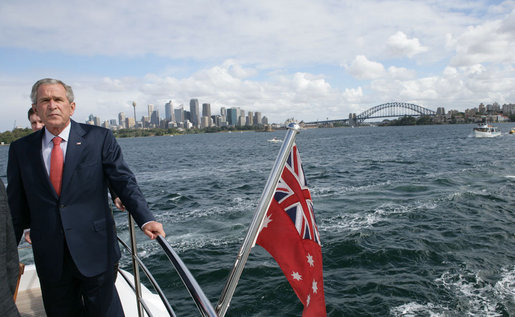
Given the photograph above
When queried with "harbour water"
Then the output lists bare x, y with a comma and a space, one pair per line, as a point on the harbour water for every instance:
414, 221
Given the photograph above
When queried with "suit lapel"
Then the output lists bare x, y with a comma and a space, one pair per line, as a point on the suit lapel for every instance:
34, 153
76, 144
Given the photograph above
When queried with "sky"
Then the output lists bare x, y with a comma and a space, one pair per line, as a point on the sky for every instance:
307, 60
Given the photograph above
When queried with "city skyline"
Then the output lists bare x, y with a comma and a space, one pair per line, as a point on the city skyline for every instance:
308, 60
180, 117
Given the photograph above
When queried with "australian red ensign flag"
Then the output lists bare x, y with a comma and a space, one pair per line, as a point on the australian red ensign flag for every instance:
290, 234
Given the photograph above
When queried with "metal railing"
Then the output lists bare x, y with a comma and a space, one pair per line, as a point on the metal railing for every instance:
203, 304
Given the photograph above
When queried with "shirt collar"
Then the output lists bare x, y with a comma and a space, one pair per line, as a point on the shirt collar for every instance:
65, 134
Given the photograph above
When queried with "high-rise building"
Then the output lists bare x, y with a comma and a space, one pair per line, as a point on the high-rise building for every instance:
232, 116
121, 119
154, 118
179, 115
508, 108
206, 110
150, 110
223, 112
257, 118
130, 123
205, 122
194, 113
250, 118
169, 115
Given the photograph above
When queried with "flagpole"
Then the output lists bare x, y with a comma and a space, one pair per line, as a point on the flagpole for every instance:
259, 215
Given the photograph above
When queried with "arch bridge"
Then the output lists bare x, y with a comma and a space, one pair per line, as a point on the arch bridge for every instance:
385, 110
394, 109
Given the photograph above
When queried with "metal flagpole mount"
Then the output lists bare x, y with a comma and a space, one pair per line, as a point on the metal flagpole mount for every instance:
257, 220
294, 126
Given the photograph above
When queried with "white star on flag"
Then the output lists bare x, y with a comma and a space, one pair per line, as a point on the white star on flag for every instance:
266, 221
308, 300
310, 260
315, 287
296, 276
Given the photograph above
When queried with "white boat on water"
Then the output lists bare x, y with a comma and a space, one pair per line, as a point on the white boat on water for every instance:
275, 140
486, 130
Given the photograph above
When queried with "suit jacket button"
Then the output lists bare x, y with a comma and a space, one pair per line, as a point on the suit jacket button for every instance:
61, 206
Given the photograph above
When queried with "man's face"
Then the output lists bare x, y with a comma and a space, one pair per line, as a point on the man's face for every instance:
53, 107
35, 122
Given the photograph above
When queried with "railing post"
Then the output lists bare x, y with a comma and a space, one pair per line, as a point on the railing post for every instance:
135, 266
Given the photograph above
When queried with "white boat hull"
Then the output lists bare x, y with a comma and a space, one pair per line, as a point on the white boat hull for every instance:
480, 134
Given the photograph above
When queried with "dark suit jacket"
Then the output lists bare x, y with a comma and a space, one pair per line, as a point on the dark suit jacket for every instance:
8, 259
81, 215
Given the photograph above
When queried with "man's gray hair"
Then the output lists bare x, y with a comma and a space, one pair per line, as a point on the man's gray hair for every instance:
50, 81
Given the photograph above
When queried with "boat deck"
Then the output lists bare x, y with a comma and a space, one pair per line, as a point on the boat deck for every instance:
30, 303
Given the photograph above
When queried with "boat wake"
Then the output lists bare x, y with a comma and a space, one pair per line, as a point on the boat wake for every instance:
473, 295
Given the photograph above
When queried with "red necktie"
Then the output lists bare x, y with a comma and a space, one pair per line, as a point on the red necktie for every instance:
56, 165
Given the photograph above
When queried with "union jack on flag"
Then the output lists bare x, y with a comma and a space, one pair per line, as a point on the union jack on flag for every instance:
290, 234
300, 209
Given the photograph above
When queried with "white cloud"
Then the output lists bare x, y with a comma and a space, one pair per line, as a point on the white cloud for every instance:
489, 42
353, 94
362, 68
281, 58
401, 72
400, 45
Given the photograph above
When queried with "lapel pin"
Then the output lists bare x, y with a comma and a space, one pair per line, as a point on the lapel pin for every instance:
79, 143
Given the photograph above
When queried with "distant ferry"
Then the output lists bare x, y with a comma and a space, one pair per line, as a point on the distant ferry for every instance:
484, 130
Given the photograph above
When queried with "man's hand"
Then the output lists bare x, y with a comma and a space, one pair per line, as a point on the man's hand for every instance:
27, 236
152, 229
118, 204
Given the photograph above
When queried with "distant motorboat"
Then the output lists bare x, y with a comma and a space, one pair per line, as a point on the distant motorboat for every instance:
275, 140
485, 130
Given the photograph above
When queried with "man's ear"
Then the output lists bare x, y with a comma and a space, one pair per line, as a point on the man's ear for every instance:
34, 108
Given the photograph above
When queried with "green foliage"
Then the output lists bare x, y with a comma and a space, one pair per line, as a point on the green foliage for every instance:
406, 120
8, 137
133, 133
409, 120
424, 120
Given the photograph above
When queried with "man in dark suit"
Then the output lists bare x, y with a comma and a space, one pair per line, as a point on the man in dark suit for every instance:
57, 186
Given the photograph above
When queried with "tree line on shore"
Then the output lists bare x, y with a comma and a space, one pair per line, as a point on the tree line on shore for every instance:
8, 137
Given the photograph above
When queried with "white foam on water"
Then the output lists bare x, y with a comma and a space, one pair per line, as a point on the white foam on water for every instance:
363, 220
415, 309
505, 287
324, 191
478, 297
